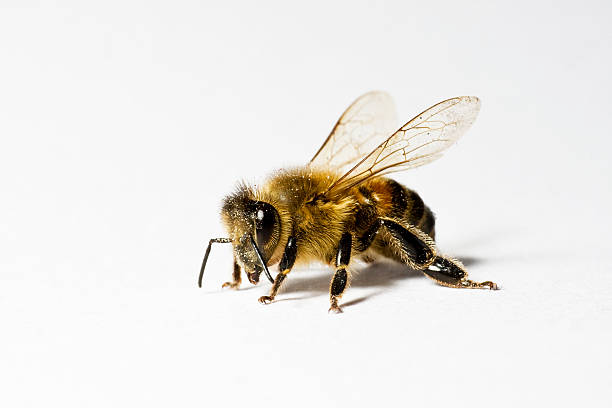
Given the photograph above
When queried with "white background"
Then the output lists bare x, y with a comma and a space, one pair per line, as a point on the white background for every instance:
124, 123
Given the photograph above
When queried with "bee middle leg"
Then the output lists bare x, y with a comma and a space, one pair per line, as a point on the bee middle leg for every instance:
341, 277
286, 263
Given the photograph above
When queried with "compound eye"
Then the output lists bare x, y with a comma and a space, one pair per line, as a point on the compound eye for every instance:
267, 223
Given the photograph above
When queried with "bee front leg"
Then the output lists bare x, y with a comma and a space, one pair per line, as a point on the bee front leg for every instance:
237, 279
341, 277
286, 263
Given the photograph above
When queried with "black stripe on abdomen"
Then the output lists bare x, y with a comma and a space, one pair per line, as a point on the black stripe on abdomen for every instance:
399, 199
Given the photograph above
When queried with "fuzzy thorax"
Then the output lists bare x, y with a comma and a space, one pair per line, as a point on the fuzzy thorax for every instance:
316, 222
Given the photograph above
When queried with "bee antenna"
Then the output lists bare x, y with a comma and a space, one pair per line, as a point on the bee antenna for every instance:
212, 241
260, 257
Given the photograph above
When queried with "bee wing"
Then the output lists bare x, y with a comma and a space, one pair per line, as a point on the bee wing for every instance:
422, 140
363, 126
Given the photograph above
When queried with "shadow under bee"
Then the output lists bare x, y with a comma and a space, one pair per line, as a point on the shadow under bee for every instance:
376, 275
470, 260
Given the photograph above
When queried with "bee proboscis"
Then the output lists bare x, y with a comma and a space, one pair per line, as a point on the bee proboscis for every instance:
340, 206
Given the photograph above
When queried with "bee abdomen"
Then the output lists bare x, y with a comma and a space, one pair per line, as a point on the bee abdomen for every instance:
387, 198
400, 199
428, 223
407, 205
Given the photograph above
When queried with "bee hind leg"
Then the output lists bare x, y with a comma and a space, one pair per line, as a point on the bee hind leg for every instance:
450, 272
408, 244
404, 243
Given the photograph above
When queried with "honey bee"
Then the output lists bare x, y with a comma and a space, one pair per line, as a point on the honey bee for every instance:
340, 208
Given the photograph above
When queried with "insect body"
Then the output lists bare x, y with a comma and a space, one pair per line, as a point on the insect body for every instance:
340, 207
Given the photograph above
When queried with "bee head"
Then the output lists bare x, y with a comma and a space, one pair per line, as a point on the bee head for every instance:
254, 226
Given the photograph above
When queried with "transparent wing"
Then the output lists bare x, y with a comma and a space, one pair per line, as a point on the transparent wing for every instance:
420, 141
362, 127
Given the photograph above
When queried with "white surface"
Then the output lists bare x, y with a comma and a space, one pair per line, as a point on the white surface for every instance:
123, 124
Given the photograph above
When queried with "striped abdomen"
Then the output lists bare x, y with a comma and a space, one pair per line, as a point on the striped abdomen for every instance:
383, 197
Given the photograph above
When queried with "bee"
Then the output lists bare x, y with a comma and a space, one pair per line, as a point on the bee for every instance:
340, 207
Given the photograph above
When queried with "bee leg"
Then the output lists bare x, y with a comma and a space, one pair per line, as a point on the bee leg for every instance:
407, 244
341, 277
450, 272
286, 263
237, 279
418, 251
278, 281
